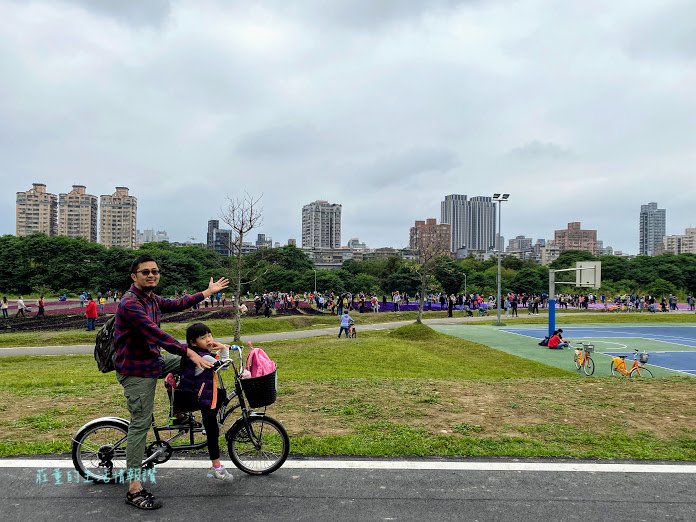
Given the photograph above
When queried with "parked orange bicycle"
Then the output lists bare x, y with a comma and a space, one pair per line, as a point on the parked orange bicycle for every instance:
583, 359
638, 369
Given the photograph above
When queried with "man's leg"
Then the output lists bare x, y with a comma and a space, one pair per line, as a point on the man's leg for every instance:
140, 397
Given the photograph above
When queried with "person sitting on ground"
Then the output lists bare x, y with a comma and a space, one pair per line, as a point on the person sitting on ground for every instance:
204, 384
556, 341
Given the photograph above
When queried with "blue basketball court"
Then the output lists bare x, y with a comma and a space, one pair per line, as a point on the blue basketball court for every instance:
670, 347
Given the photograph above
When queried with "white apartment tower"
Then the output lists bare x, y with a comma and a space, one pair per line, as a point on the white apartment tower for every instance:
321, 225
77, 214
117, 216
481, 221
472, 222
453, 212
36, 211
653, 224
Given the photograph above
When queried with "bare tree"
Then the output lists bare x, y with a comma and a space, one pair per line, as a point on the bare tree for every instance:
431, 241
242, 215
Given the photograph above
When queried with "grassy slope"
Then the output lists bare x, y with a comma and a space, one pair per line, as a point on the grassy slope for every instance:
401, 393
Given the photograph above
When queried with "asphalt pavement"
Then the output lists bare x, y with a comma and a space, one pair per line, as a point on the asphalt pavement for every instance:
337, 490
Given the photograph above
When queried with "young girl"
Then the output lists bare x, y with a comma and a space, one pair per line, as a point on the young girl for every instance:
204, 384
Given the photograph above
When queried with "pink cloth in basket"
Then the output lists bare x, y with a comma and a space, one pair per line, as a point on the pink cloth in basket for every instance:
259, 364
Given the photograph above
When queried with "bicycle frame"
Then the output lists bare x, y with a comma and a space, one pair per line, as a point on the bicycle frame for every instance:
191, 430
621, 366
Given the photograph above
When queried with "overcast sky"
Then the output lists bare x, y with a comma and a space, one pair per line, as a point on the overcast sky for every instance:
582, 111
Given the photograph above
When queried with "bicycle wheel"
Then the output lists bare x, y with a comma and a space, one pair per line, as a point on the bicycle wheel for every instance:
577, 360
99, 450
262, 451
641, 372
588, 367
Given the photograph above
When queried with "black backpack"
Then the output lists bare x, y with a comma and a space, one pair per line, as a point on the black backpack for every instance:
104, 350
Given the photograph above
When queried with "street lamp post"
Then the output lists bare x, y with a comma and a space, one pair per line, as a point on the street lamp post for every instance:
465, 294
315, 281
499, 198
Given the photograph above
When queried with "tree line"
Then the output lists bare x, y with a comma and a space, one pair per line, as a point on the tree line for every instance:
55, 265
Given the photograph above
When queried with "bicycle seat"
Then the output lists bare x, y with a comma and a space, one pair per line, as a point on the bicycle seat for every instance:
622, 356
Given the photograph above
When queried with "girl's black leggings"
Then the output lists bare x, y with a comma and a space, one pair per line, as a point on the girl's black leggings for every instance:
212, 431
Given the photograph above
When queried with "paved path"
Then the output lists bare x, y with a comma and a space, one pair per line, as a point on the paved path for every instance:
368, 489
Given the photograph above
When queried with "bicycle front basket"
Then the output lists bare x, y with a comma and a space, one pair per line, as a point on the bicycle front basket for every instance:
589, 348
261, 391
643, 358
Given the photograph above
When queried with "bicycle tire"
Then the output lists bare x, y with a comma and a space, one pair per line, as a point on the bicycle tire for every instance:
265, 453
641, 372
99, 450
576, 360
588, 367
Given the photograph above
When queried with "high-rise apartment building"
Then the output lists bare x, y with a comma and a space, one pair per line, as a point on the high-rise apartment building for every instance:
37, 211
481, 222
652, 228
150, 235
219, 239
117, 219
453, 211
321, 225
77, 214
575, 238
431, 236
472, 221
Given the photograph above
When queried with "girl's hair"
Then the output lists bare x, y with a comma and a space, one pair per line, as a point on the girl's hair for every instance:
195, 331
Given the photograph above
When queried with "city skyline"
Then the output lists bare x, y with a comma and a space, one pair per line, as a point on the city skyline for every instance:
580, 111
454, 207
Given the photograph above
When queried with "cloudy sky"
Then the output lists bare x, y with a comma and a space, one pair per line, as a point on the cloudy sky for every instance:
582, 111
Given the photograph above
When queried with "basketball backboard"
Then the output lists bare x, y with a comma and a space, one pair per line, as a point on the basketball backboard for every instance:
588, 274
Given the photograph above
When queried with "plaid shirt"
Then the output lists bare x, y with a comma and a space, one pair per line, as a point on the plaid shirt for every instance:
137, 335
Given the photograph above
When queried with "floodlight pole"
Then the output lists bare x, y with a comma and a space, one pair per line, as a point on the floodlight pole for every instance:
315, 281
499, 198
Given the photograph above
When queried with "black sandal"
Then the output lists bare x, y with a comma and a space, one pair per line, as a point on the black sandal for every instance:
143, 499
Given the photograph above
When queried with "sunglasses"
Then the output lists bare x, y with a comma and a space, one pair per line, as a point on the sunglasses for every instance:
146, 271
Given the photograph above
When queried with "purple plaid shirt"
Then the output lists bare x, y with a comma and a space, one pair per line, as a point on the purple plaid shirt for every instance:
137, 335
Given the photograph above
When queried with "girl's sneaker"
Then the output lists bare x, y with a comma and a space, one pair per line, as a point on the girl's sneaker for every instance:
220, 474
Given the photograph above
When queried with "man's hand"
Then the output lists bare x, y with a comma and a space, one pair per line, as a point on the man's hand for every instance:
198, 360
215, 286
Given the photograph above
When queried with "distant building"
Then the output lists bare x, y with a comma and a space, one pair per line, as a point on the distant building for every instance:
151, 236
520, 247
219, 239
36, 211
292, 242
428, 234
77, 214
546, 253
679, 244
472, 220
117, 219
321, 225
263, 242
652, 226
355, 244
575, 238
453, 211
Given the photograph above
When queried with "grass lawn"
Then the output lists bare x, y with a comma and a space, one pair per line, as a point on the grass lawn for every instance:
408, 392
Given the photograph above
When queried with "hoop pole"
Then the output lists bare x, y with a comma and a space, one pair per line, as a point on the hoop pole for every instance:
552, 302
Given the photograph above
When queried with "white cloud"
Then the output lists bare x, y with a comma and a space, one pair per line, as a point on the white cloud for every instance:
384, 107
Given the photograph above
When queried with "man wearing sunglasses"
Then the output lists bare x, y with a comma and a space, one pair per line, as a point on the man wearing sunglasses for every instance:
138, 340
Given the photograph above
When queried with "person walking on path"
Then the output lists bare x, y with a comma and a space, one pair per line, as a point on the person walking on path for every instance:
138, 341
346, 319
41, 303
20, 307
4, 306
91, 314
